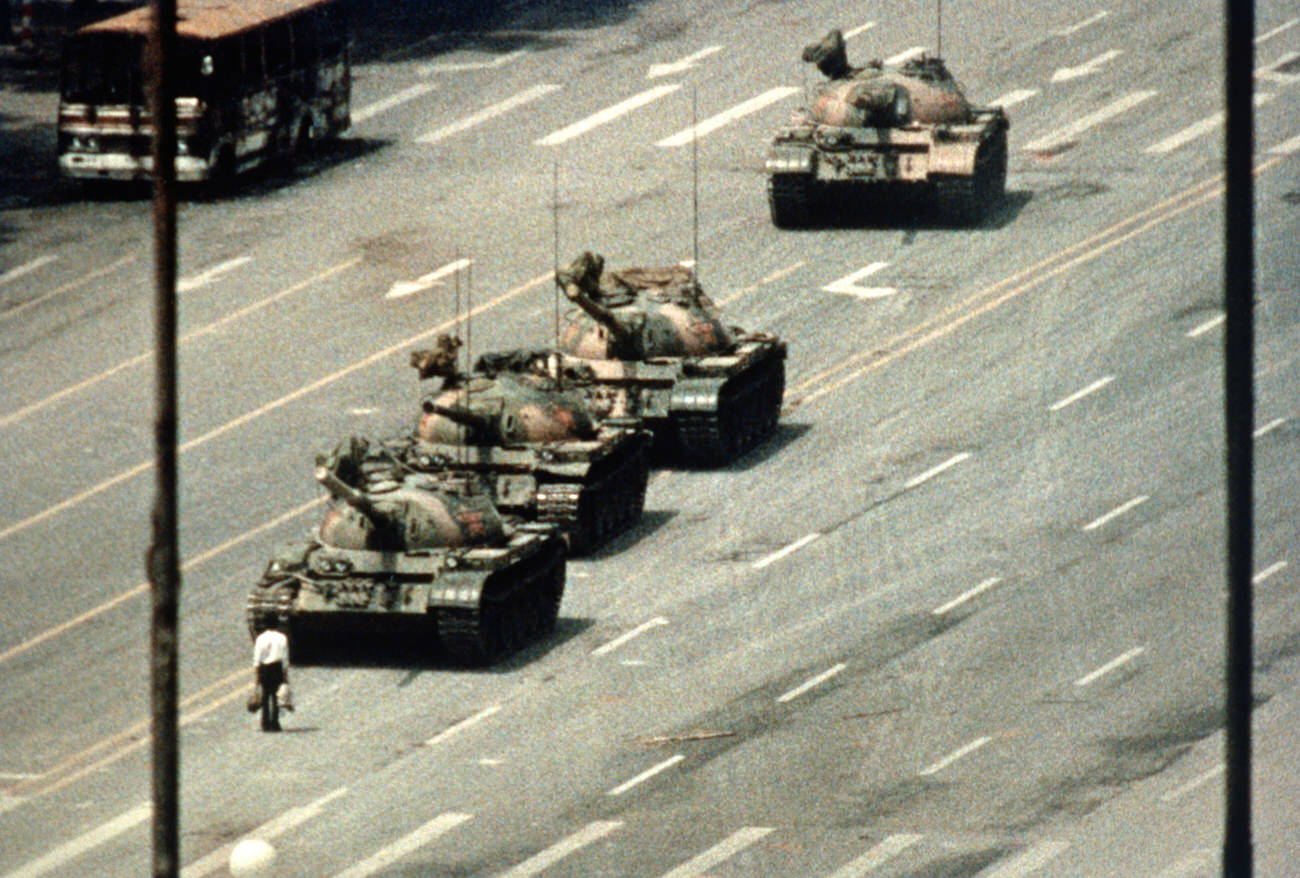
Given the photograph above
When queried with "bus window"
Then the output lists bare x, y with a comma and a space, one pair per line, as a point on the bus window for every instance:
279, 52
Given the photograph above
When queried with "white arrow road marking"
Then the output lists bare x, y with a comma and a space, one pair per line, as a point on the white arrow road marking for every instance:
609, 114
406, 94
1198, 129
862, 28
1066, 31
526, 96
720, 852
208, 275
386, 856
1011, 98
461, 66
590, 833
713, 123
849, 284
682, 64
1271, 72
65, 853
424, 282
1087, 68
273, 828
1083, 123
877, 855
26, 268
905, 55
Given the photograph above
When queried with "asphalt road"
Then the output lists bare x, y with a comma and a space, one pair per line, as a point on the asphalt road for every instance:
962, 616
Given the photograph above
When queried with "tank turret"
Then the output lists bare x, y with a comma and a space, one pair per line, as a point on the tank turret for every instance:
886, 125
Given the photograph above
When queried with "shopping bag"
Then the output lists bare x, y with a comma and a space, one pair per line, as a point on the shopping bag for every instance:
254, 699
284, 695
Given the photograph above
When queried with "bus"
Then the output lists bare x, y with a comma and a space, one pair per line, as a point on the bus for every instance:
254, 80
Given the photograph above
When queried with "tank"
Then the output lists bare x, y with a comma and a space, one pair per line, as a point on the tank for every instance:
648, 344
435, 561
868, 128
542, 453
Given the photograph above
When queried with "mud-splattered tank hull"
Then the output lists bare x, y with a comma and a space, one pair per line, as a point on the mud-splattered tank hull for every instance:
591, 489
906, 127
473, 604
704, 411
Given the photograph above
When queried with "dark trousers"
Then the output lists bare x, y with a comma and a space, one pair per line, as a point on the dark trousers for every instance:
269, 677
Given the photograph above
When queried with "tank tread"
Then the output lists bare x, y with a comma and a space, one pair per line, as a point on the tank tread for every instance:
789, 199
749, 406
506, 619
590, 514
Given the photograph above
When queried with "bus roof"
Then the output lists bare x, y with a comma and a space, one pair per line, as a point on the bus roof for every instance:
207, 19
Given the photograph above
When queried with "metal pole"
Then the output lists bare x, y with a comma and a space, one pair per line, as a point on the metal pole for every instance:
1239, 422
163, 556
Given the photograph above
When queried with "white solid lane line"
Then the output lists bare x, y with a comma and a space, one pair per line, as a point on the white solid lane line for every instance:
607, 115
966, 596
781, 553
272, 828
210, 274
719, 853
628, 635
65, 853
1011, 98
1028, 861
457, 728
26, 268
906, 55
1116, 512
1198, 129
1113, 665
404, 288
876, 856
386, 856
924, 477
1269, 427
592, 832
1269, 571
1064, 135
406, 94
812, 683
1195, 783
526, 96
1080, 394
1281, 28
966, 750
646, 775
741, 110
1205, 327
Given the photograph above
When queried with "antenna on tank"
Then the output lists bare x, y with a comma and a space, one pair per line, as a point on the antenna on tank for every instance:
555, 245
695, 188
938, 39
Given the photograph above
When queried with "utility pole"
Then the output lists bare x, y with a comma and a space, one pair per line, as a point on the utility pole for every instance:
1239, 423
163, 562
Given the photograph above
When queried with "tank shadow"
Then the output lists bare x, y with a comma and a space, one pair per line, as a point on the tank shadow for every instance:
414, 652
651, 521
909, 210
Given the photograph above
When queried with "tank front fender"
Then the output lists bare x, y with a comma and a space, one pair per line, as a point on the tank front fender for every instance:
957, 158
783, 159
696, 395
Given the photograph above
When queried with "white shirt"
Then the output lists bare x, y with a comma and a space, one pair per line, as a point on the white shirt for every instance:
271, 646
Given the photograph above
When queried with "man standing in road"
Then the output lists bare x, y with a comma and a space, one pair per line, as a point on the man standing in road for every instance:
271, 667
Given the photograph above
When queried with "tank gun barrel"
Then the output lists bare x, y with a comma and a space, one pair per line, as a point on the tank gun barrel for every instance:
358, 500
464, 417
598, 312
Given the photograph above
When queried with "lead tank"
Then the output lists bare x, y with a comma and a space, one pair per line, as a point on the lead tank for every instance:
409, 557
647, 343
907, 125
536, 444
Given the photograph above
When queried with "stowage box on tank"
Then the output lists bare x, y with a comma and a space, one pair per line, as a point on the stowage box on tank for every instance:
906, 125
436, 563
647, 343
535, 444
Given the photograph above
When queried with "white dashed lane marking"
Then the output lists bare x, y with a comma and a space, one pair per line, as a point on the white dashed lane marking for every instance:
740, 111
407, 94
966, 596
1011, 98
629, 635
812, 683
1080, 394
407, 844
1198, 129
69, 851
1068, 133
26, 268
590, 833
876, 856
527, 96
681, 65
934, 471
1113, 665
719, 853
607, 115
959, 753
1116, 512
646, 775
1087, 68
